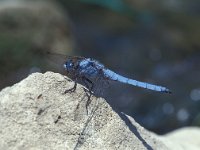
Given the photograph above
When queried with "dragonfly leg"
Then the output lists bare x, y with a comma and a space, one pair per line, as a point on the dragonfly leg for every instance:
88, 83
90, 88
88, 99
71, 89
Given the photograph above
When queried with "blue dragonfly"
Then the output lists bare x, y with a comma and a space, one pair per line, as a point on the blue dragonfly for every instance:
88, 70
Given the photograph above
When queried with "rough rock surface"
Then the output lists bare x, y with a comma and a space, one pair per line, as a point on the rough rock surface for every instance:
35, 114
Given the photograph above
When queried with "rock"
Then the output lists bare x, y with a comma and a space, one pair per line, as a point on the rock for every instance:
185, 138
35, 114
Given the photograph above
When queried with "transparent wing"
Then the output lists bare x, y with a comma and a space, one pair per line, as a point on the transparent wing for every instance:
62, 56
57, 60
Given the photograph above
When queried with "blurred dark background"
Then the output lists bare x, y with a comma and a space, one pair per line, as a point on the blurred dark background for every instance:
155, 41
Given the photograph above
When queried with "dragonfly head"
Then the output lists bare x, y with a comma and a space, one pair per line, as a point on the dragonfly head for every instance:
69, 65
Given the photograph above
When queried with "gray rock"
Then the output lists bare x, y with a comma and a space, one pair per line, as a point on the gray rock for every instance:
35, 114
187, 138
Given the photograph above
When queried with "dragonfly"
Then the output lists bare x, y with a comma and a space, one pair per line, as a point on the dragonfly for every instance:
89, 70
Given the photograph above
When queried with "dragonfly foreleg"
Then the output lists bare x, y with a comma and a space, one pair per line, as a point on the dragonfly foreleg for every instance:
71, 89
89, 92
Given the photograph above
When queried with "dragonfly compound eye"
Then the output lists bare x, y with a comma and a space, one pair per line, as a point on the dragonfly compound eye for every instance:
68, 65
